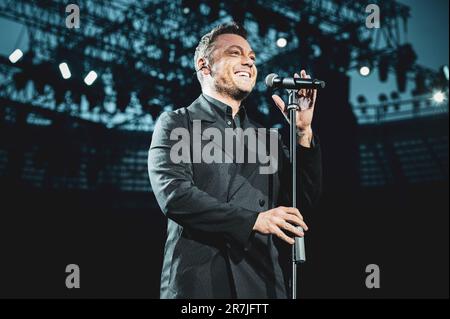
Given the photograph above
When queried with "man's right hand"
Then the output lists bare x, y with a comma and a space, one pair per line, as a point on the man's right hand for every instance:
275, 220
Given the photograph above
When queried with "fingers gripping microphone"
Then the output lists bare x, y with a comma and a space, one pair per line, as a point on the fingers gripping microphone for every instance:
274, 81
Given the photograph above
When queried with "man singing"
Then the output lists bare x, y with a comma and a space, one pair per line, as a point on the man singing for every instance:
230, 229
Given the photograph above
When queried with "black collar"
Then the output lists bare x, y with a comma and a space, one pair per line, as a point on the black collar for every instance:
224, 109
205, 111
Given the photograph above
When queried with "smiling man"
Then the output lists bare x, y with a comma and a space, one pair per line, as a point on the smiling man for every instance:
229, 228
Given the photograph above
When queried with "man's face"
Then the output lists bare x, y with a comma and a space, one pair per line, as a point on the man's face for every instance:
233, 67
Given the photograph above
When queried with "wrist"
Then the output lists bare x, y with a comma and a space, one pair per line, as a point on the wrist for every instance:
304, 136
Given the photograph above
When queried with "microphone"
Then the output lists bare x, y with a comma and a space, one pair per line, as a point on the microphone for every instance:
274, 81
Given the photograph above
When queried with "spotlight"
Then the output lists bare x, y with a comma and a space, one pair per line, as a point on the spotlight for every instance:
90, 77
64, 69
439, 97
15, 56
281, 42
445, 71
364, 71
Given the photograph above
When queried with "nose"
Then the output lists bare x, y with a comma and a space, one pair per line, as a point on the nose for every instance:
247, 61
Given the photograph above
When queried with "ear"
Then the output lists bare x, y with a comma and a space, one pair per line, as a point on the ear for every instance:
202, 64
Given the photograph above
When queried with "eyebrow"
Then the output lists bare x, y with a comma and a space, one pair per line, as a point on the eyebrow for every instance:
240, 48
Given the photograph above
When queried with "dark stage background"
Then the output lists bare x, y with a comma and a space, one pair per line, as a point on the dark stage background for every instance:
73, 157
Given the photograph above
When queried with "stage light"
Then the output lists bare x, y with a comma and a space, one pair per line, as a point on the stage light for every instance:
90, 77
186, 10
64, 69
439, 97
15, 56
281, 42
445, 71
364, 71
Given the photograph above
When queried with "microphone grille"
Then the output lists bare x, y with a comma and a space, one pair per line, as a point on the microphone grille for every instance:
270, 78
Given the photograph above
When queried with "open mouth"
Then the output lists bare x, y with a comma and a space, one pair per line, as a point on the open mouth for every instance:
243, 74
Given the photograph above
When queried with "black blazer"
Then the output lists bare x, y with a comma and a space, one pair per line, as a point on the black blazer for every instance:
211, 250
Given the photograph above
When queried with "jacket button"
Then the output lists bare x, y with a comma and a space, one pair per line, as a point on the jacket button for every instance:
262, 202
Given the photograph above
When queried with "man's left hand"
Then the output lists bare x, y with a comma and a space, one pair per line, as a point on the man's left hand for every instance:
304, 114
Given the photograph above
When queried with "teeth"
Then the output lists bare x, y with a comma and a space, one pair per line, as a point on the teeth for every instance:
243, 74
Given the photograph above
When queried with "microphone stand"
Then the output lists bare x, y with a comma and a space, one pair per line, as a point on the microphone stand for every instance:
298, 249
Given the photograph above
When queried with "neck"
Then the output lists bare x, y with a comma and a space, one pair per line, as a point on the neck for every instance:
224, 99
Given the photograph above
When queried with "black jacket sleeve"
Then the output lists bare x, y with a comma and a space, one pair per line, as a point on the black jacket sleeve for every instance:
180, 199
309, 176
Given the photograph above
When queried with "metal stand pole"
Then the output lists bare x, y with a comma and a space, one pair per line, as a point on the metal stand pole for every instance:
298, 249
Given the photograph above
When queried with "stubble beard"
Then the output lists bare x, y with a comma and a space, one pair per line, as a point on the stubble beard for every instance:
226, 87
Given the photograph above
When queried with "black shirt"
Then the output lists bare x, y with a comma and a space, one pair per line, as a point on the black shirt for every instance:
225, 112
